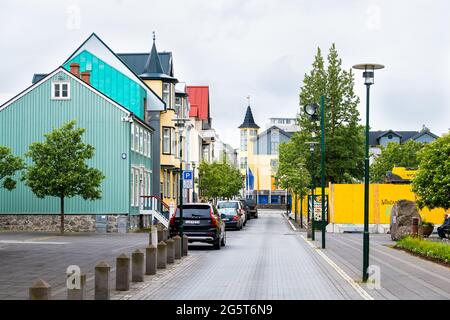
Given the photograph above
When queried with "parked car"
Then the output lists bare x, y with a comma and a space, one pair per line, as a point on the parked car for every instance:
232, 213
444, 229
246, 210
252, 208
201, 223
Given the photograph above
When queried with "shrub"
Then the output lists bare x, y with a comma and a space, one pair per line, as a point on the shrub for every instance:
430, 249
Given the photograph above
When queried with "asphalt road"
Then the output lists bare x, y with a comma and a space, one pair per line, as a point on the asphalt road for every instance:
270, 259
266, 260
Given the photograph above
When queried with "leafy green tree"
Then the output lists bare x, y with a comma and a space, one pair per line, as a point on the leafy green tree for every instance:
395, 155
291, 172
432, 181
59, 167
219, 180
9, 165
344, 136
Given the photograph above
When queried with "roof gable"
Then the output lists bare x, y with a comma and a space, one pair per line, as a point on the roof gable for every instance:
50, 75
199, 102
97, 47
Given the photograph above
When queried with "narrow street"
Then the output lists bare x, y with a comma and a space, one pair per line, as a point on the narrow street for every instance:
266, 260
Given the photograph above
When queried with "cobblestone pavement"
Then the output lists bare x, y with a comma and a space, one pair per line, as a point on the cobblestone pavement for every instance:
403, 276
26, 257
266, 260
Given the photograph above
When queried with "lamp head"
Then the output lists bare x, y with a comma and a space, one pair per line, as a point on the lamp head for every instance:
369, 71
311, 109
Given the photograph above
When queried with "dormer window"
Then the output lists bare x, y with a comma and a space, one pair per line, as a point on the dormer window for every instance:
61, 90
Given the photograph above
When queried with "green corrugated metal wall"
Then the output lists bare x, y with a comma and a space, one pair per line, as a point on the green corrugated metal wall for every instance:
28, 118
111, 82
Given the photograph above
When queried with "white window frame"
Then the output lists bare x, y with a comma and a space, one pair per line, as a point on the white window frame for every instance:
132, 136
136, 138
145, 143
141, 140
60, 84
136, 198
132, 187
166, 91
168, 138
149, 141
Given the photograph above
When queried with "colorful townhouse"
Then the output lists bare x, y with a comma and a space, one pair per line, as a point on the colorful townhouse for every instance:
157, 72
95, 88
258, 158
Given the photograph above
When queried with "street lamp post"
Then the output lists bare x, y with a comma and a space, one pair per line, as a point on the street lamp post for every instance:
193, 182
180, 123
368, 74
311, 216
311, 110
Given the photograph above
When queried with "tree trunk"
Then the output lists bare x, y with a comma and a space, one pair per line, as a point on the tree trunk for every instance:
62, 215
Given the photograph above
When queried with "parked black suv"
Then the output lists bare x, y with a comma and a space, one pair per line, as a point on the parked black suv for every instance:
252, 207
201, 223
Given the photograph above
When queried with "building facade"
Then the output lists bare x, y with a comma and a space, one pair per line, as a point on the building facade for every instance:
259, 156
122, 143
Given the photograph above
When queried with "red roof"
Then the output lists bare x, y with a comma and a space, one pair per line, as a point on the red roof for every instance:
199, 101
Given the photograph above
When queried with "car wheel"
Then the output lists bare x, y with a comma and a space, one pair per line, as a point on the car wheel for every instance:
224, 240
217, 244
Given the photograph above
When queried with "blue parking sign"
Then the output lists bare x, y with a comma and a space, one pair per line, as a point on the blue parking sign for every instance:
187, 175
188, 179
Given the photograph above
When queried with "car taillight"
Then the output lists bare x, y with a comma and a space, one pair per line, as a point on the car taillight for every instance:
235, 218
213, 219
172, 218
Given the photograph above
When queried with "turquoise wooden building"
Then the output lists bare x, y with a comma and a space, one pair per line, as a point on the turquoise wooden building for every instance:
122, 140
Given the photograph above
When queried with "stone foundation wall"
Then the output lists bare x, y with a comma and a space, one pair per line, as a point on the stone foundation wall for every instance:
47, 223
73, 223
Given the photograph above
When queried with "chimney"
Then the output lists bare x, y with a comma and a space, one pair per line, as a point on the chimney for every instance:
86, 76
75, 69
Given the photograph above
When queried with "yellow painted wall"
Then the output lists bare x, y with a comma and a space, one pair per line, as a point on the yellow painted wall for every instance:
155, 85
347, 203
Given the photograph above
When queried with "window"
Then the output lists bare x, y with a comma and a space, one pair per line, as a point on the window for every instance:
136, 187
178, 109
168, 185
166, 140
136, 139
132, 136
274, 141
60, 90
141, 140
164, 190
174, 184
145, 143
253, 132
243, 140
243, 163
149, 142
132, 187
166, 94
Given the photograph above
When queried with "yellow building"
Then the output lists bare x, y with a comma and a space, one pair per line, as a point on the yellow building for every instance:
258, 158
156, 70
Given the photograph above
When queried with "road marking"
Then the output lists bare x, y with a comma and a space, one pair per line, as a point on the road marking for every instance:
29, 242
363, 293
293, 227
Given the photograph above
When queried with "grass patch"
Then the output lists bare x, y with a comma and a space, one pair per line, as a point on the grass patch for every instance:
438, 251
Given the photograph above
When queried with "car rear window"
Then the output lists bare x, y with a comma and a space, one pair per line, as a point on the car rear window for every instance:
195, 211
226, 205
250, 202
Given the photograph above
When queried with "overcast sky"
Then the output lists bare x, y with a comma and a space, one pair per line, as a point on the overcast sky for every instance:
253, 47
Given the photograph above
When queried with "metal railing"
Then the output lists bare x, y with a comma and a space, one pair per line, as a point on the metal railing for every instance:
155, 206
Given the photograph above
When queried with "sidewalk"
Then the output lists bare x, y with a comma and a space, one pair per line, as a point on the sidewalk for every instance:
403, 276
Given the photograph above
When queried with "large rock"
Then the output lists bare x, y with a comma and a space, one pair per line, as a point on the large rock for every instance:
402, 214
